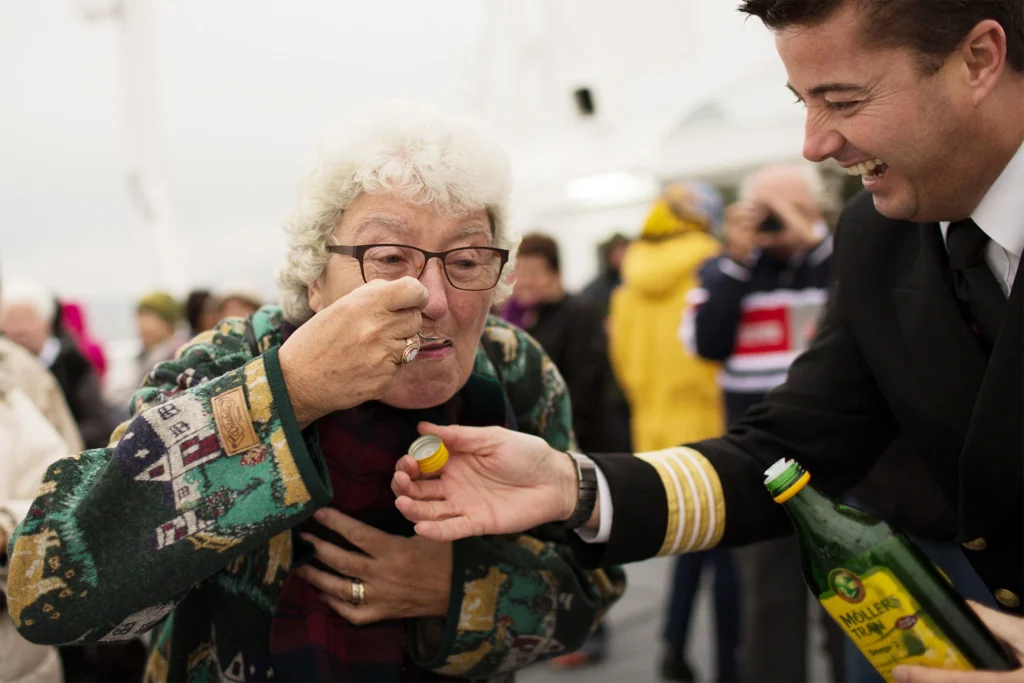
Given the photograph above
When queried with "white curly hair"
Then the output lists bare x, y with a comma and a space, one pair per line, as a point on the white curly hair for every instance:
407, 149
15, 290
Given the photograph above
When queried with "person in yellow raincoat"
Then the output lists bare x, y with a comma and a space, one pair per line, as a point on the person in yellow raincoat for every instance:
674, 396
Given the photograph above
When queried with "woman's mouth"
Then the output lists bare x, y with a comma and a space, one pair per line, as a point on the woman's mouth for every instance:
433, 348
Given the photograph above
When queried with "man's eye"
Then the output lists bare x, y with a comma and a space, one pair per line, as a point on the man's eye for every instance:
840, 106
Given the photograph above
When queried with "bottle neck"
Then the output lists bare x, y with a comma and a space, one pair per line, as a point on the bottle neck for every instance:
804, 508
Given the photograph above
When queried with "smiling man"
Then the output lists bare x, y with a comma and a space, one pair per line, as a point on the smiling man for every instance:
922, 336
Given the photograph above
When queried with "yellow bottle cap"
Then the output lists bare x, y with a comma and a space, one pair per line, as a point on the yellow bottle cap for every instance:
430, 452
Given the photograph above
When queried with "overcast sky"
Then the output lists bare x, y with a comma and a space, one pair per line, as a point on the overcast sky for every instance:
244, 87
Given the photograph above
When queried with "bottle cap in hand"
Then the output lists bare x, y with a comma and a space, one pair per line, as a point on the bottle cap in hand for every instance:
430, 452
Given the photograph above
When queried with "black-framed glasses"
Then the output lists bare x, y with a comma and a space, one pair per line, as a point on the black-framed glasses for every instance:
473, 269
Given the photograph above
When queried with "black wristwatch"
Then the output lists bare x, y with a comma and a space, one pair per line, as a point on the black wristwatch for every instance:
586, 479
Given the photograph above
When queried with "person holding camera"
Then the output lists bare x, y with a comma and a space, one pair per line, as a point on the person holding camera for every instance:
758, 302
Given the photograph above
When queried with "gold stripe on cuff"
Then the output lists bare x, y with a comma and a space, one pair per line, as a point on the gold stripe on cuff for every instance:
696, 504
672, 495
714, 502
690, 514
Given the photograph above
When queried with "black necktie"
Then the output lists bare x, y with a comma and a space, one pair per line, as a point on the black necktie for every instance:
973, 282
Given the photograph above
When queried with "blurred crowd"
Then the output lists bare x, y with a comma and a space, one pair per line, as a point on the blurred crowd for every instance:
49, 354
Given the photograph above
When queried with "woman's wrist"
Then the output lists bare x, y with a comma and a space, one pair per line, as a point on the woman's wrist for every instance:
303, 401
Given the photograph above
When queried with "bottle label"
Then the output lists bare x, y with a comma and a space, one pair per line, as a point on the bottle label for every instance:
886, 623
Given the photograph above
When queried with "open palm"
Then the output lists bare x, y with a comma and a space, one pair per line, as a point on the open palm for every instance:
496, 481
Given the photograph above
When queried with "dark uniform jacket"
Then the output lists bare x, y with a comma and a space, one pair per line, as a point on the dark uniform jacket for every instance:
894, 355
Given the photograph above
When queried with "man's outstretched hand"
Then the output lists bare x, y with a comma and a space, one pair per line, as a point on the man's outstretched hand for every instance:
496, 481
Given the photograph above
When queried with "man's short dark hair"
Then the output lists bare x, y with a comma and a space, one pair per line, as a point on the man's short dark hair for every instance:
934, 28
537, 244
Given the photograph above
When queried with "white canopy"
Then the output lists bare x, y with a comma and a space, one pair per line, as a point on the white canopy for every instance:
216, 104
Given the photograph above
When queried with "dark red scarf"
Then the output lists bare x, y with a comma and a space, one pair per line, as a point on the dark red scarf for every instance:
309, 641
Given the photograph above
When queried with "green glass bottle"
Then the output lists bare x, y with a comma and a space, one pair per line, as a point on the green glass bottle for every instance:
884, 593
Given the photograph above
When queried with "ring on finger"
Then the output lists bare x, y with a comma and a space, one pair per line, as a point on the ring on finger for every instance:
358, 592
412, 349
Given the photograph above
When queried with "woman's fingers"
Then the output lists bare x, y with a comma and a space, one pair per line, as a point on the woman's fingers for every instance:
329, 584
403, 325
355, 614
402, 294
340, 560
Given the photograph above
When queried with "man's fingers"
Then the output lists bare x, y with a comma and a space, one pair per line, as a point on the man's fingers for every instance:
472, 440
1006, 627
363, 536
407, 292
447, 530
424, 510
920, 674
424, 489
408, 466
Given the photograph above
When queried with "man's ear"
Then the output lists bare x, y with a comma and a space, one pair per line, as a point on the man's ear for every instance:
983, 54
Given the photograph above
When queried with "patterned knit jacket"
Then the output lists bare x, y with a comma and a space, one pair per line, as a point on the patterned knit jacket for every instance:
107, 555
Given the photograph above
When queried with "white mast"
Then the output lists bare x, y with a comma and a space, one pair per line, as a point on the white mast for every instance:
143, 135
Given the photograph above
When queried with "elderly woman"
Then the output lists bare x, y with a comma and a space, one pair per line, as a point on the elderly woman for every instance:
27, 314
245, 513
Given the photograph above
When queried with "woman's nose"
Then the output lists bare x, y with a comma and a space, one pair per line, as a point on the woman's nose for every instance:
436, 282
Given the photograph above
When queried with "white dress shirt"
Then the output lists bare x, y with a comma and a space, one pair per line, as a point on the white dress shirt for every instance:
1000, 215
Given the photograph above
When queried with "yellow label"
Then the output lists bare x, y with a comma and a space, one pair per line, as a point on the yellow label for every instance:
886, 623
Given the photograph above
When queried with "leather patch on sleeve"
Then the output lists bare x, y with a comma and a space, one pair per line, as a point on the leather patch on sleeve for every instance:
231, 413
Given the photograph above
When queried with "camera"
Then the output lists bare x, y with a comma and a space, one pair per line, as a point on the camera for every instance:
770, 224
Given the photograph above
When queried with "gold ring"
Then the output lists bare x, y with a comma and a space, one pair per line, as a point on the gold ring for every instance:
358, 592
412, 349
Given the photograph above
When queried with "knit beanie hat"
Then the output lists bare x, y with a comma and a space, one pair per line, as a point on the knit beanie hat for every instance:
681, 207
163, 305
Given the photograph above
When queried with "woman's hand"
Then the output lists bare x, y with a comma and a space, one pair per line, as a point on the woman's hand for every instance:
496, 481
1005, 627
402, 577
351, 351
